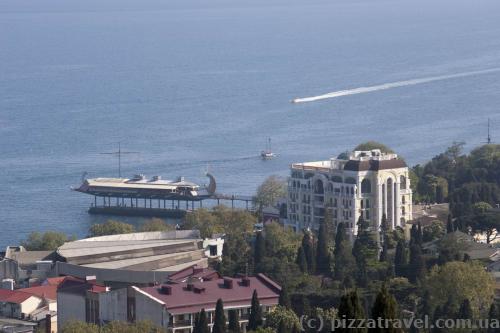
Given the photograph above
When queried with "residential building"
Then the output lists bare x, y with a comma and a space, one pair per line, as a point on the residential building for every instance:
174, 306
365, 183
78, 299
89, 301
18, 304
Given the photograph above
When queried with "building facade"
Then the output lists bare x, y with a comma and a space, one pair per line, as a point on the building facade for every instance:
365, 183
175, 306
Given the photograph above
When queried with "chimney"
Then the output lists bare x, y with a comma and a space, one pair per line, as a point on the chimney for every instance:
245, 281
48, 323
166, 289
228, 283
199, 290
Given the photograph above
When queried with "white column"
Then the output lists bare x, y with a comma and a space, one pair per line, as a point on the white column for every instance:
385, 199
380, 205
398, 205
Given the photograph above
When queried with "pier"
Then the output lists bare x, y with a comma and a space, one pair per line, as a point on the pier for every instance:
155, 197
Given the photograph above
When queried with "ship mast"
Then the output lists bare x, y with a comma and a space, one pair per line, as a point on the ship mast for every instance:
119, 153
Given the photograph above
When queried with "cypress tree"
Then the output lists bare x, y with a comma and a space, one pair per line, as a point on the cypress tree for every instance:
284, 299
351, 308
416, 268
282, 327
302, 261
493, 315
400, 259
259, 250
344, 260
385, 307
201, 323
384, 255
322, 250
438, 314
426, 306
420, 234
308, 246
449, 225
220, 318
465, 311
255, 317
234, 322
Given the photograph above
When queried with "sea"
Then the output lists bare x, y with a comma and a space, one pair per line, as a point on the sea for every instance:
196, 85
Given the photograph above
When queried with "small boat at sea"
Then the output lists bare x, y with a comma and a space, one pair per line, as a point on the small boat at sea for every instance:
267, 154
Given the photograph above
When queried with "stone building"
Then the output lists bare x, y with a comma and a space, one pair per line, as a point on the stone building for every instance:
367, 183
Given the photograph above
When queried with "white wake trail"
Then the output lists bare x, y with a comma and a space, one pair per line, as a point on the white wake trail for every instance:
391, 85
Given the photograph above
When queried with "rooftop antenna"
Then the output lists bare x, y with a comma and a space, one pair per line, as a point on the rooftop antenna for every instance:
119, 153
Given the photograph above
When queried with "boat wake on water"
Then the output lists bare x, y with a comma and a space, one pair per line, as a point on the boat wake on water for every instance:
385, 86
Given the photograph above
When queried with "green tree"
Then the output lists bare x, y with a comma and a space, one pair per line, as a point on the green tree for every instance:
308, 246
416, 267
48, 241
323, 250
350, 307
493, 315
111, 227
79, 327
456, 281
465, 311
201, 323
156, 224
255, 318
344, 260
400, 259
234, 322
450, 227
284, 299
302, 260
385, 307
259, 250
371, 145
268, 193
220, 318
281, 315
220, 220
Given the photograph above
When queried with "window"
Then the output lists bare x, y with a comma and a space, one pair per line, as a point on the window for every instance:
367, 203
213, 250
366, 186
402, 183
367, 214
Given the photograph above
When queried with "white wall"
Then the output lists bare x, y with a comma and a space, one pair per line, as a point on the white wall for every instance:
30, 305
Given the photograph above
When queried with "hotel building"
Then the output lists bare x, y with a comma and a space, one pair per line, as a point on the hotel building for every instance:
367, 183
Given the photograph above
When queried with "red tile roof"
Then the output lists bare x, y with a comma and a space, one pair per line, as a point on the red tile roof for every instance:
73, 285
55, 281
181, 300
13, 296
48, 291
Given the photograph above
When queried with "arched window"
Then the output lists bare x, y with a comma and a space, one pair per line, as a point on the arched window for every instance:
318, 187
402, 183
366, 186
